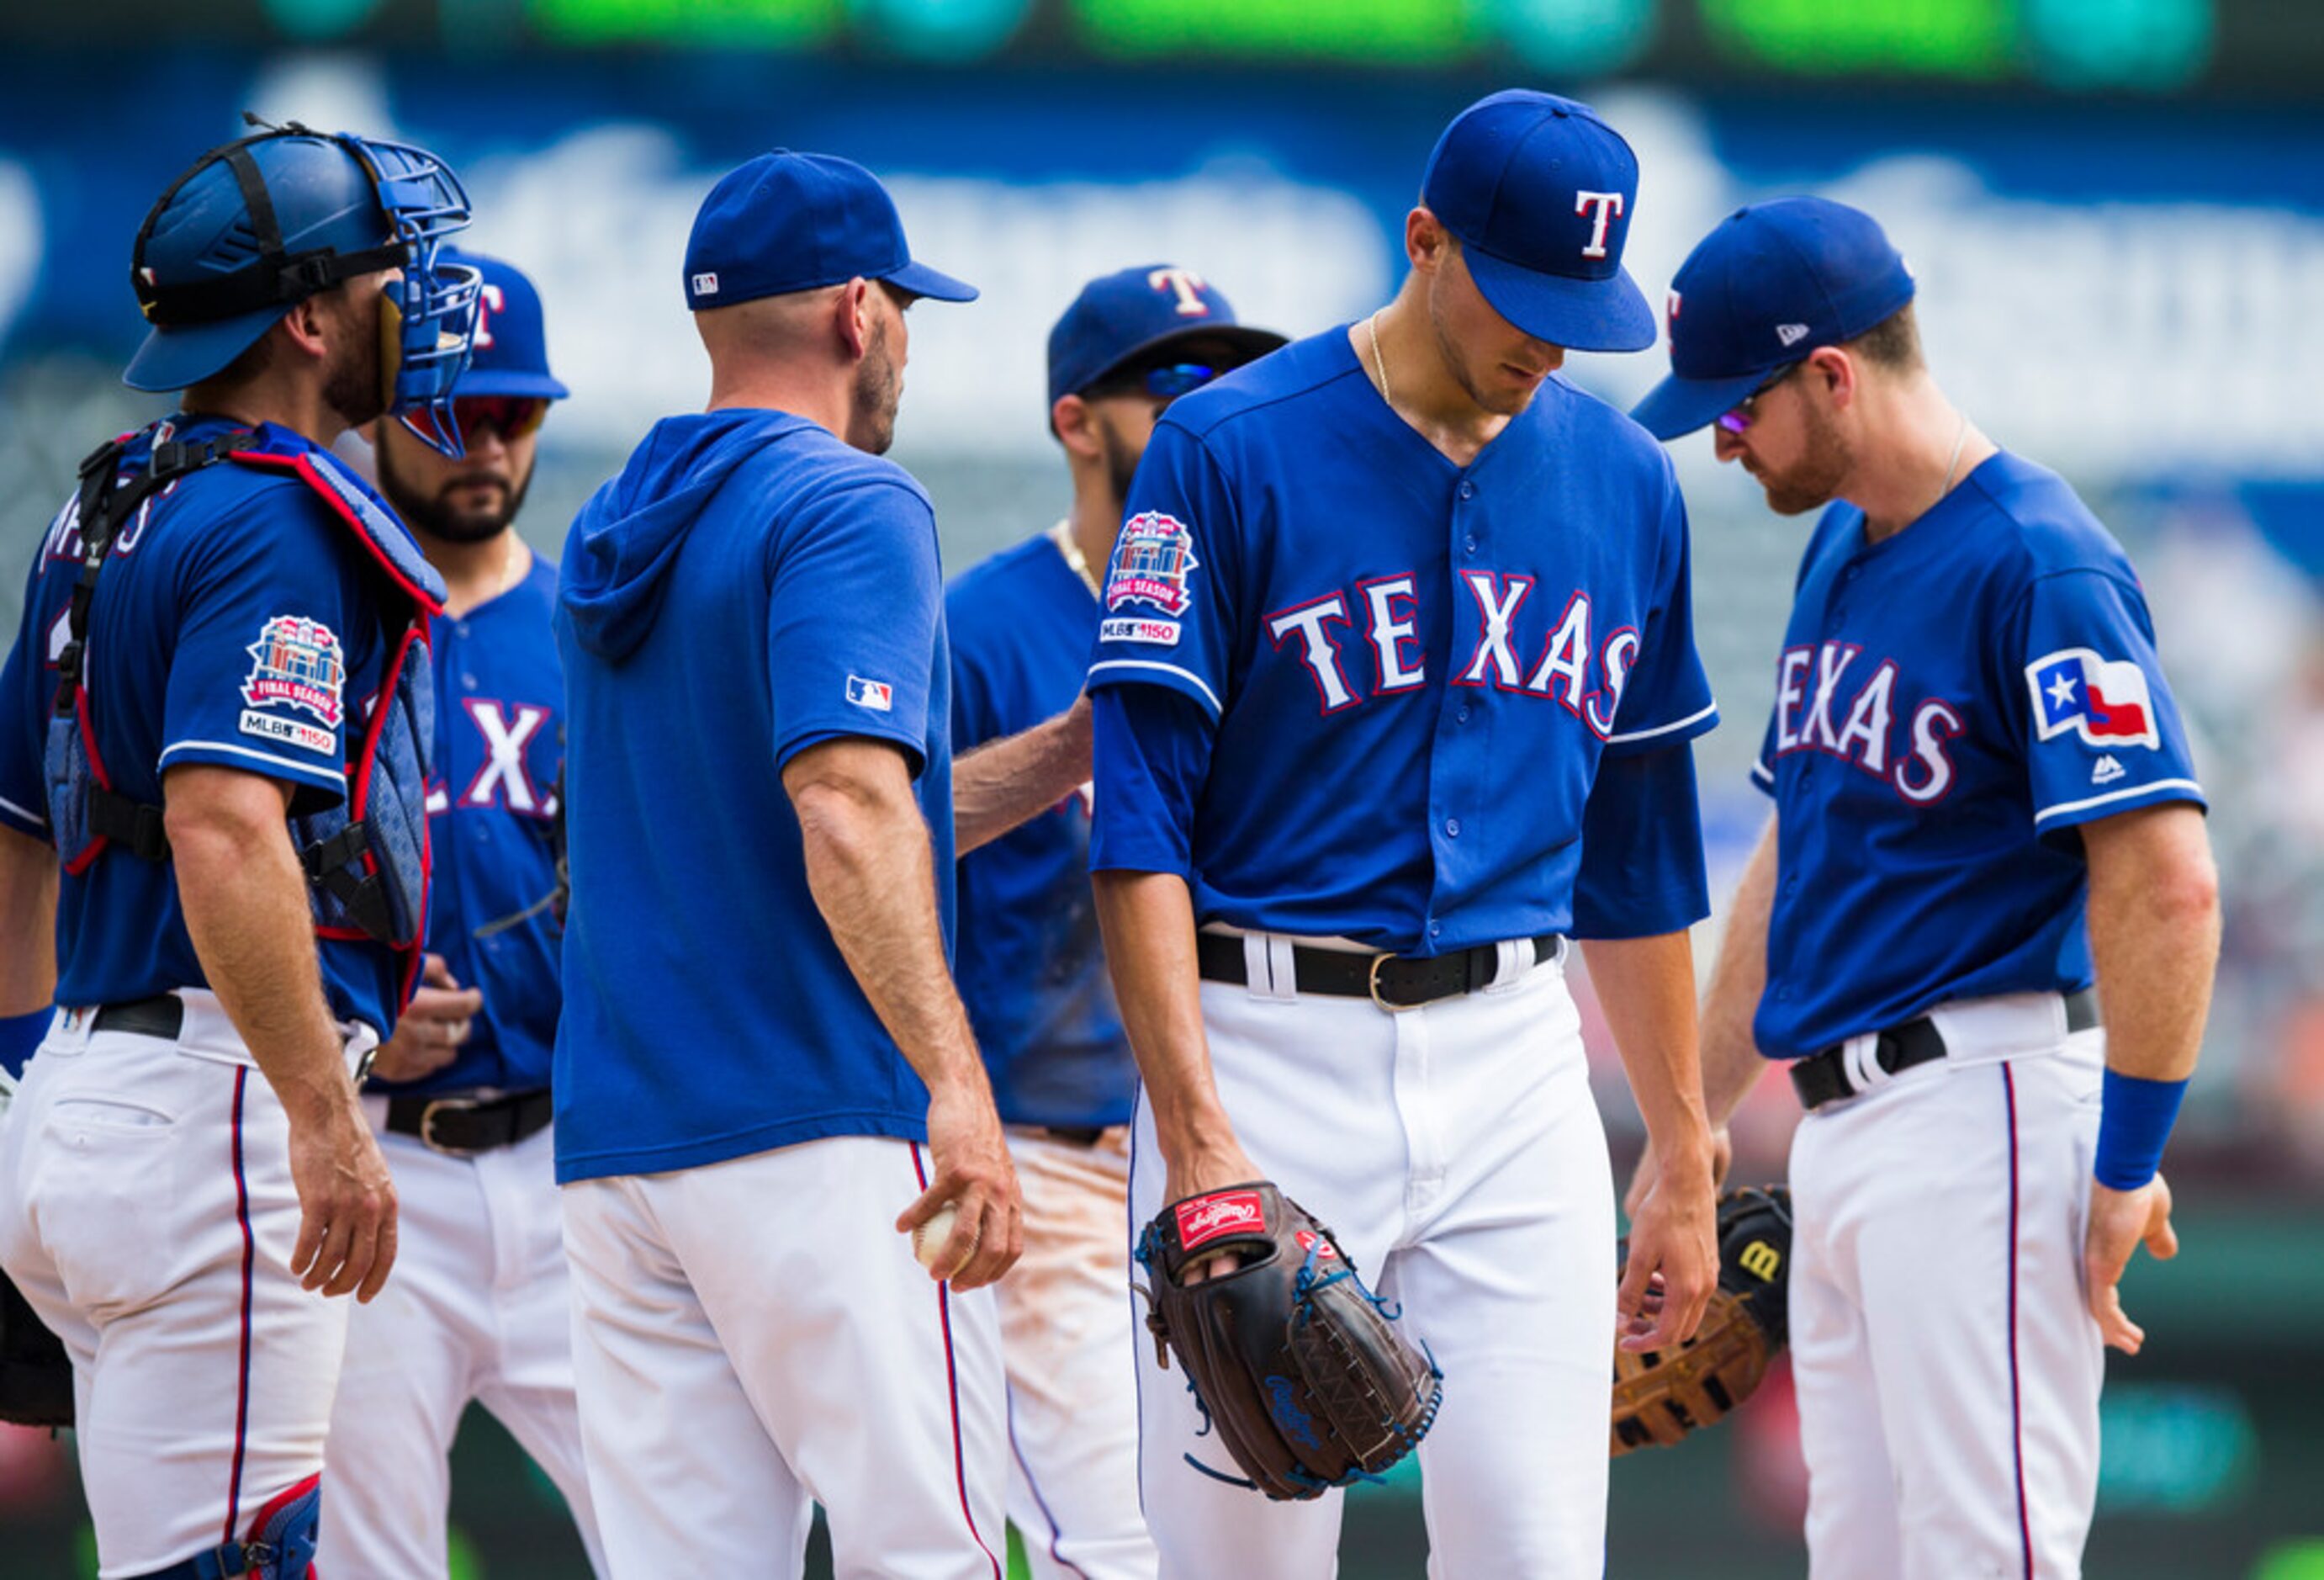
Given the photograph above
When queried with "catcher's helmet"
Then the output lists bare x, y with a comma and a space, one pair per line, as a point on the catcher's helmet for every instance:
260, 224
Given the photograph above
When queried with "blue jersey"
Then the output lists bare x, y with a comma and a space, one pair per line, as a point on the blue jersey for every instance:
500, 741
1951, 704
747, 587
236, 625
1349, 688
1030, 966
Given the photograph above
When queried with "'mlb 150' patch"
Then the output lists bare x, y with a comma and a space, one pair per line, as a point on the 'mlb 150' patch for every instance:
296, 663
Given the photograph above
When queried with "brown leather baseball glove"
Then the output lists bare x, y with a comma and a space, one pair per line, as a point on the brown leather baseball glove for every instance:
1662, 1395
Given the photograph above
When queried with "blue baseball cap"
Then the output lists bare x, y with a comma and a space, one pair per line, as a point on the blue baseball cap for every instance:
1541, 192
512, 346
786, 222
1775, 282
1133, 311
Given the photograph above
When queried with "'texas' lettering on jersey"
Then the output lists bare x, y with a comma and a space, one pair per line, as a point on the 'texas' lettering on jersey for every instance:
1910, 757
503, 777
1571, 663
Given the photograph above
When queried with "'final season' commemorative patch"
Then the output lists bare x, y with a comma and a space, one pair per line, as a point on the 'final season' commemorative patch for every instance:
1152, 561
296, 663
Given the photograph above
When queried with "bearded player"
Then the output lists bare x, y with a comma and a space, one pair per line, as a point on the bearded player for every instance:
460, 1094
1029, 964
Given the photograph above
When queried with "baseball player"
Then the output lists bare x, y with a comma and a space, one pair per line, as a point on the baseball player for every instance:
1393, 686
1983, 805
762, 1057
459, 1095
214, 719
1031, 971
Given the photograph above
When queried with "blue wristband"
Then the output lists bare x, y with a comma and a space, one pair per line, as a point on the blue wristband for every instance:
2133, 1126
19, 1038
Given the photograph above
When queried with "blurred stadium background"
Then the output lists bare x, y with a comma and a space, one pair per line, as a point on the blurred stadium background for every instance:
2117, 211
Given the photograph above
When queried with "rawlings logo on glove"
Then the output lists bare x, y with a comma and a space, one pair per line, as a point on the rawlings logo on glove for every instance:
1662, 1395
1298, 1366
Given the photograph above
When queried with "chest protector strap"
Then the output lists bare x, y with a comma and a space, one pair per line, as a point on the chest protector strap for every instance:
365, 858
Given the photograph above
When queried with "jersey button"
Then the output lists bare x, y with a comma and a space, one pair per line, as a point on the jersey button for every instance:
1467, 490
1435, 928
1469, 544
467, 682
1453, 827
1464, 715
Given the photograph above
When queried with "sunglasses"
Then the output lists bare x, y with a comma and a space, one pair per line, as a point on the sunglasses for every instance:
1164, 382
510, 416
1740, 416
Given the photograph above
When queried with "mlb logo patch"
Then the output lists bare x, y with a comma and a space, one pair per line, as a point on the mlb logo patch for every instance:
705, 284
2105, 701
1153, 560
876, 695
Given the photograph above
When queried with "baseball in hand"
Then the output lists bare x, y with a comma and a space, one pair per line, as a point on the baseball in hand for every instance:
928, 1239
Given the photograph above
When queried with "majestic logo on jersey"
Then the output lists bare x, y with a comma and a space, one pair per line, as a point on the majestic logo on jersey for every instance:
2109, 769
1153, 559
503, 777
1810, 683
1186, 286
1601, 207
2106, 701
1215, 1216
876, 695
296, 662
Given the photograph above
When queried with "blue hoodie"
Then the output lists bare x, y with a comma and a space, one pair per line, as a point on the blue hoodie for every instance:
748, 586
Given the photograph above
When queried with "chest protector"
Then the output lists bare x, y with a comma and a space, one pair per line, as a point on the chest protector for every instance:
366, 857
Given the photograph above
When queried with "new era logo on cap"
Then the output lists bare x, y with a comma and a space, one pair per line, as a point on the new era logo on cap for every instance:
1791, 333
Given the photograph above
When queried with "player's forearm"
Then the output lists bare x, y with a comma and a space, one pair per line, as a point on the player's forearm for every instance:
872, 873
1148, 920
1646, 986
1731, 1064
28, 924
2154, 936
1003, 783
244, 899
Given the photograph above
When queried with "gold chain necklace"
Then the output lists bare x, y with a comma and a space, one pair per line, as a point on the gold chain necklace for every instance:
1062, 535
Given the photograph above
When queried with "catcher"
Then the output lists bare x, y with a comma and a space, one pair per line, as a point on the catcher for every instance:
1662, 1395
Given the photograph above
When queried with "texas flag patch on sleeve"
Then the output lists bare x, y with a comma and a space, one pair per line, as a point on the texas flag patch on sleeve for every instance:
2106, 701
876, 695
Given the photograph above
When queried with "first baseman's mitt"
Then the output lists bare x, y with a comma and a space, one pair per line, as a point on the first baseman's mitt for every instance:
1296, 1364
1662, 1395
35, 1375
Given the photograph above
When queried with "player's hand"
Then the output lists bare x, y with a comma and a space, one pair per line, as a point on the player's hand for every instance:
1642, 1178
346, 1203
1674, 1263
972, 1172
1213, 1167
428, 1035
2120, 1220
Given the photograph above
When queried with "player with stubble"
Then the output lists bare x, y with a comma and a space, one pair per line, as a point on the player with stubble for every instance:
764, 1077
1031, 966
1393, 691
1978, 931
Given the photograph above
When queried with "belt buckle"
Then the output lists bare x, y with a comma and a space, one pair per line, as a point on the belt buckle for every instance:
428, 1126
1371, 981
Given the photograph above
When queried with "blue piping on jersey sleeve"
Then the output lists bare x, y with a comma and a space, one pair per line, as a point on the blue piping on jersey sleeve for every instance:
1642, 870
1152, 751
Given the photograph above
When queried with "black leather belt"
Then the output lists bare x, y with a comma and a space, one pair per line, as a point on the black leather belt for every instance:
1825, 1077
163, 1015
465, 1126
1393, 982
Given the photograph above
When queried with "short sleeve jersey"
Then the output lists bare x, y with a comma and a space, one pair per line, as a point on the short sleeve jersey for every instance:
1032, 967
500, 744
1951, 704
749, 586
236, 625
1409, 671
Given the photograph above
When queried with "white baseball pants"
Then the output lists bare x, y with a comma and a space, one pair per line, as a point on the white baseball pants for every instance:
147, 1212
477, 1309
1947, 1365
1456, 1152
1067, 1332
754, 1337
